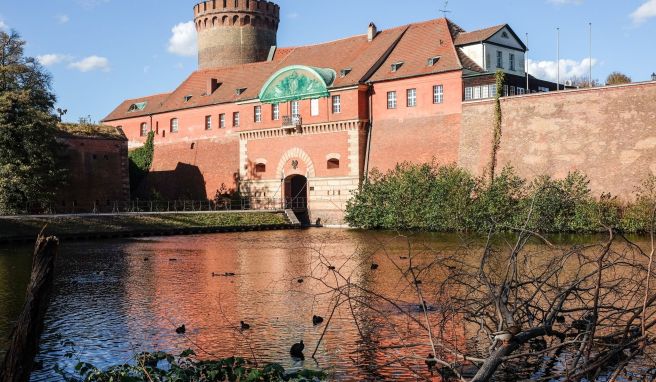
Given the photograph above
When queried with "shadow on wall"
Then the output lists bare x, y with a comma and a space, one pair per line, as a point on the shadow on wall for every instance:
186, 182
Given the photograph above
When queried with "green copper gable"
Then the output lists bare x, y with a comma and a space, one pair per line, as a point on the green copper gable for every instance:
297, 82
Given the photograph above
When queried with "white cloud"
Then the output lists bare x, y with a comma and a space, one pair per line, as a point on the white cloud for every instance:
91, 63
52, 59
548, 70
293, 15
644, 12
183, 40
62, 19
3, 26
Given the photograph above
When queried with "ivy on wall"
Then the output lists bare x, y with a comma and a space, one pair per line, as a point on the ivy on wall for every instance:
498, 119
140, 161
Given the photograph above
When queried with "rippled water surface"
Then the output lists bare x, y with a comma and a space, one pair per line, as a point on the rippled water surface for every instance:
114, 299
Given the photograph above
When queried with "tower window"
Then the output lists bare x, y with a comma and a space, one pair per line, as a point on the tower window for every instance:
411, 97
275, 112
235, 119
144, 129
391, 100
260, 168
258, 114
337, 104
438, 94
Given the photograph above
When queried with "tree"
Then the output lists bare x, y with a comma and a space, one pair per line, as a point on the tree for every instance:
582, 83
29, 153
617, 78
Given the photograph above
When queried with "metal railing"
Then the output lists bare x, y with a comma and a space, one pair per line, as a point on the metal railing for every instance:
295, 203
292, 121
154, 206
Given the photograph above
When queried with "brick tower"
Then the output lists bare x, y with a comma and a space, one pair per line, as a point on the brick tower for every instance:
233, 32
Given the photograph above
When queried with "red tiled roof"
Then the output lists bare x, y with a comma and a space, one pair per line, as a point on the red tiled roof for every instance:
420, 42
411, 44
465, 38
153, 105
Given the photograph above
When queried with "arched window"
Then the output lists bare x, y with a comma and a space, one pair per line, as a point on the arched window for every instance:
193, 145
333, 163
260, 168
235, 20
224, 20
247, 20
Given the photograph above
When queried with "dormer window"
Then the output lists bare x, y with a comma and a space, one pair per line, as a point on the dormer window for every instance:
345, 72
433, 60
240, 91
396, 66
137, 107
187, 98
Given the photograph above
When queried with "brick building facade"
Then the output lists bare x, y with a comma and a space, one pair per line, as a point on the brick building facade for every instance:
302, 126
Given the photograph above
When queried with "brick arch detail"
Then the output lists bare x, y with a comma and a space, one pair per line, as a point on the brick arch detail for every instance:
296, 152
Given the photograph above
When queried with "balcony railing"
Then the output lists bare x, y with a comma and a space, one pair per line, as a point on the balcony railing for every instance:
292, 122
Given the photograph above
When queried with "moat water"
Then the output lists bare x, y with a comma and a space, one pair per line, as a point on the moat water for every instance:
114, 299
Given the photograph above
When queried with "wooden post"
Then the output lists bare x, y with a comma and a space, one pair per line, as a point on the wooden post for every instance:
17, 365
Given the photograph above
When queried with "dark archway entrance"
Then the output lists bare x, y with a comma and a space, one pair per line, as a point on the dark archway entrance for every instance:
296, 193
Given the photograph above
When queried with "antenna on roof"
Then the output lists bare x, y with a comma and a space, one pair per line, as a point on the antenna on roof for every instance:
445, 10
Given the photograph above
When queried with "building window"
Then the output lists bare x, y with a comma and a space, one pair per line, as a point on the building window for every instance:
314, 107
144, 129
512, 61
296, 109
411, 97
258, 114
512, 90
477, 92
493, 90
222, 124
438, 94
469, 93
174, 125
208, 122
505, 90
521, 91
499, 59
260, 168
275, 112
333, 163
337, 104
391, 100
485, 91
235, 119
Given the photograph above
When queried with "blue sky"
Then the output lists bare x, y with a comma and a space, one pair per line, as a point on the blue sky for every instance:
103, 51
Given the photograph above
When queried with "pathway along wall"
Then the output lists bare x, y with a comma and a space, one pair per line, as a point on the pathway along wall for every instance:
608, 133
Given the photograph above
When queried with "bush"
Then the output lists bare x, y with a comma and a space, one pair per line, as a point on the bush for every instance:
140, 161
447, 198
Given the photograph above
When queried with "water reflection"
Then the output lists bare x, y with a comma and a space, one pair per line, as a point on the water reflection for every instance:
114, 299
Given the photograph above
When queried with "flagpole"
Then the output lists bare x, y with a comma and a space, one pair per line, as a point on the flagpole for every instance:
528, 91
558, 59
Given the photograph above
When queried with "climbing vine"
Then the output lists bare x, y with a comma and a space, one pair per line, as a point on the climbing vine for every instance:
140, 161
498, 119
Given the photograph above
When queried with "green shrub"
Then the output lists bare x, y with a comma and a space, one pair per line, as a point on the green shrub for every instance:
140, 161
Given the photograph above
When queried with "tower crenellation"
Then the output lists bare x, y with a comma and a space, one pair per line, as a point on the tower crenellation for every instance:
234, 32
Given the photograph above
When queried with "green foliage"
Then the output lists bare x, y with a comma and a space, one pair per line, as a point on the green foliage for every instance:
140, 161
617, 78
163, 367
498, 121
447, 198
30, 170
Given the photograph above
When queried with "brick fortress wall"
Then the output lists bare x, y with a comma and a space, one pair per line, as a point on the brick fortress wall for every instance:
608, 133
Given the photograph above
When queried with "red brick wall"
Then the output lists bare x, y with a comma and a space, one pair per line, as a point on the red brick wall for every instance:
608, 133
418, 133
98, 175
182, 172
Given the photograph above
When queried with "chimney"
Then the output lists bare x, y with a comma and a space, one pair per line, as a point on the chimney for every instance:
212, 85
373, 31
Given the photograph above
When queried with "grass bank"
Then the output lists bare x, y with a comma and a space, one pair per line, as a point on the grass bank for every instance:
90, 226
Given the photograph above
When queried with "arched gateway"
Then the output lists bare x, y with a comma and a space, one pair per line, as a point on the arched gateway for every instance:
318, 145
